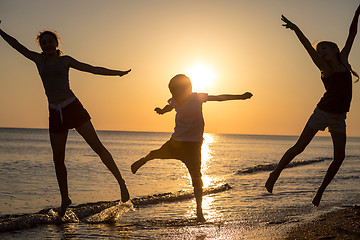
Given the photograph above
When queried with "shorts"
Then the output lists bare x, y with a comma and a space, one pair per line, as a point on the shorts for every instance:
320, 119
188, 152
71, 116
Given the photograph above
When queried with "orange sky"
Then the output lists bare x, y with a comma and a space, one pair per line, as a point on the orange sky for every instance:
241, 42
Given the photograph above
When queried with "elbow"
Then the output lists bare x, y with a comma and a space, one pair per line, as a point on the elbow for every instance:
97, 71
353, 30
222, 98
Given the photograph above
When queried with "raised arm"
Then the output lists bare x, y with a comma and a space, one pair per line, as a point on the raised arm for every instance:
306, 43
352, 33
227, 97
95, 70
33, 56
166, 109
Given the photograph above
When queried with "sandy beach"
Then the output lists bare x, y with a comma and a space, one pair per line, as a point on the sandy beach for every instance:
340, 224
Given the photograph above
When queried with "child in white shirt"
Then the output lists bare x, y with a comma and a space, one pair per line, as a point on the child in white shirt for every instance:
185, 143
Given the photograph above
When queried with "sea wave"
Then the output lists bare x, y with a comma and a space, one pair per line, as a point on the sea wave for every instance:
272, 166
98, 212
176, 196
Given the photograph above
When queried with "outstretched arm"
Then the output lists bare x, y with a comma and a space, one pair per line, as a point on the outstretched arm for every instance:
34, 56
95, 70
227, 97
306, 43
166, 109
352, 33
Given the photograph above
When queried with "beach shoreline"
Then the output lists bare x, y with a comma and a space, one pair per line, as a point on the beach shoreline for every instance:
246, 211
339, 224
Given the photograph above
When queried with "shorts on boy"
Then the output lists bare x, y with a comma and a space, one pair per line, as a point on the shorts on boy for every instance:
320, 119
71, 116
188, 152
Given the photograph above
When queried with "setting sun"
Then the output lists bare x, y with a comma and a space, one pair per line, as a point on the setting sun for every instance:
202, 77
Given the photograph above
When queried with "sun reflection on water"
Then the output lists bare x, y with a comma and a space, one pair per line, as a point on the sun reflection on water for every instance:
206, 157
208, 180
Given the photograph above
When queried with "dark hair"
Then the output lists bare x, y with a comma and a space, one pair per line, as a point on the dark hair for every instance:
346, 64
54, 34
179, 79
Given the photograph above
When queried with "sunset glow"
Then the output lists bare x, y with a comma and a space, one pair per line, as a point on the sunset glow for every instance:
225, 47
202, 77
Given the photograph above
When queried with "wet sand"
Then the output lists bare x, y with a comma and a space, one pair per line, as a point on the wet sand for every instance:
340, 224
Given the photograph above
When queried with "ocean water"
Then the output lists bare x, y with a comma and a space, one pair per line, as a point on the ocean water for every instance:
243, 162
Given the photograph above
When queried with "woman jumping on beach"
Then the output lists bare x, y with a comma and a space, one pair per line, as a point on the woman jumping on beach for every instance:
333, 106
65, 110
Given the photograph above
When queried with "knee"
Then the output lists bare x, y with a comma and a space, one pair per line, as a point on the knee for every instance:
153, 155
296, 149
59, 162
100, 150
198, 192
197, 183
339, 156
58, 157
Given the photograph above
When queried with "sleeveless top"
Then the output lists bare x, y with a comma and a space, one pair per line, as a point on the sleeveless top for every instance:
338, 93
55, 78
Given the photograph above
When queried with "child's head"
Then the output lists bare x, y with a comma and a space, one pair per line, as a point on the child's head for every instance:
180, 87
49, 42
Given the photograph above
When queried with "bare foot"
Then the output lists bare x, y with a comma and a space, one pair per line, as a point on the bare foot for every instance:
316, 200
125, 196
64, 205
136, 165
269, 185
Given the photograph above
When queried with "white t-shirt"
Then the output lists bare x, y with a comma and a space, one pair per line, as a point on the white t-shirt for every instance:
189, 120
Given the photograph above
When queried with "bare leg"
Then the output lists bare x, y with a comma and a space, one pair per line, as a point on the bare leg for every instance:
87, 131
198, 192
170, 150
58, 143
193, 164
304, 139
139, 163
195, 172
339, 142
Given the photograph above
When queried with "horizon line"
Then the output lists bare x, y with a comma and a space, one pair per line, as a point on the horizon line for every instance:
244, 134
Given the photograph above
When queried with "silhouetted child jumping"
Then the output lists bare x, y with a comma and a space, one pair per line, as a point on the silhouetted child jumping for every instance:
185, 143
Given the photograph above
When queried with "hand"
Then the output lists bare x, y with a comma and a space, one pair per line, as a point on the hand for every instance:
247, 95
122, 73
158, 110
288, 23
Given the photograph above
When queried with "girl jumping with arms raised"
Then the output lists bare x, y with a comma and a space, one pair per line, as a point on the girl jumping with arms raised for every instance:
332, 109
65, 110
